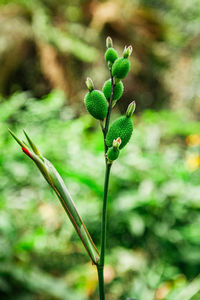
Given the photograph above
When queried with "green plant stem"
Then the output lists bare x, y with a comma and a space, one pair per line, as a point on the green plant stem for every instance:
109, 110
104, 213
101, 283
100, 265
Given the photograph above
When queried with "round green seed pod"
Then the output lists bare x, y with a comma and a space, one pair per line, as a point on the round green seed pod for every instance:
123, 128
121, 67
118, 90
111, 55
112, 154
96, 104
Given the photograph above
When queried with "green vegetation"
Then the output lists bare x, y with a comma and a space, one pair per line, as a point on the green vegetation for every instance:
99, 108
123, 128
121, 67
96, 104
118, 90
153, 207
111, 55
154, 197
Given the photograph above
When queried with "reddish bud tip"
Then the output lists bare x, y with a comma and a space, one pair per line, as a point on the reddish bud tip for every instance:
27, 152
117, 143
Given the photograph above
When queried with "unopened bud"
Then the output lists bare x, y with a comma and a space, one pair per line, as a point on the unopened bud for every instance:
116, 143
89, 84
127, 51
131, 109
112, 154
109, 42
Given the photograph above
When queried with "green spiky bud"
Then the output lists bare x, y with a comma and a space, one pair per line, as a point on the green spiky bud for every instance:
123, 128
127, 51
131, 108
112, 154
111, 55
96, 104
121, 68
118, 90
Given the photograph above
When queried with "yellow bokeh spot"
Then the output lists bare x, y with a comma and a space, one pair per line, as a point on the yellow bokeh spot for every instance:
193, 162
193, 140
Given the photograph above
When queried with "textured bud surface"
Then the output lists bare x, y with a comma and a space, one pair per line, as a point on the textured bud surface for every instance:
96, 104
112, 154
121, 67
123, 128
111, 55
118, 90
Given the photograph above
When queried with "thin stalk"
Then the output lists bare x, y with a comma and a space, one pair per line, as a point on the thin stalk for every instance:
105, 130
104, 213
101, 283
100, 265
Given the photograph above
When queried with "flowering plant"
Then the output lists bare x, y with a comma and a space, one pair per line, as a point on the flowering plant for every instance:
99, 104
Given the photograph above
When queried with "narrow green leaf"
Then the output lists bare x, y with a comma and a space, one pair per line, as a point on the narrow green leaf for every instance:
56, 182
17, 140
33, 146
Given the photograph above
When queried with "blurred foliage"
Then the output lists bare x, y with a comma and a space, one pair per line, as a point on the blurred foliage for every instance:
46, 45
47, 49
153, 214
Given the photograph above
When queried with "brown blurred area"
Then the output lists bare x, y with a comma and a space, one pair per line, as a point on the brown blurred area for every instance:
46, 45
47, 50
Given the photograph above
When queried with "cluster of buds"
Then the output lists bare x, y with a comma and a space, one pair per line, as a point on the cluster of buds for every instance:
96, 102
121, 128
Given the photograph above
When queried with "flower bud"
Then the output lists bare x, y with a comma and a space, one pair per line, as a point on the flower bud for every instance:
123, 128
109, 42
131, 108
112, 154
89, 84
96, 104
110, 56
117, 92
127, 51
121, 68
117, 143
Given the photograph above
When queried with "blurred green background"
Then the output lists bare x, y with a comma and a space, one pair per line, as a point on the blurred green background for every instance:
47, 49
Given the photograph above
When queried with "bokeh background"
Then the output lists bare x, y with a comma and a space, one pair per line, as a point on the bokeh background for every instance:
47, 49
